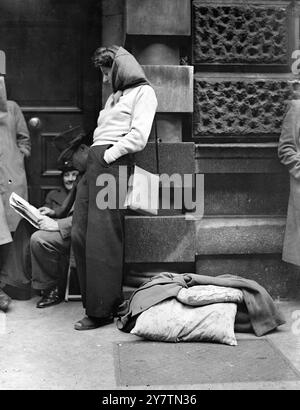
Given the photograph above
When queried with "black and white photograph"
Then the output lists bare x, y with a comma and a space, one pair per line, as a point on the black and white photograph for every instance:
149, 198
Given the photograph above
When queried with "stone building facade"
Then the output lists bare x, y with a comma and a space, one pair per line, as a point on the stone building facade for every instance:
238, 56
220, 70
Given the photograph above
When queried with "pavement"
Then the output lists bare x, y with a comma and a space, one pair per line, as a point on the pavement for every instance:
40, 350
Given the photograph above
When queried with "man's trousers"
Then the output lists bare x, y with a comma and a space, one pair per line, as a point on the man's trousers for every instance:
98, 234
35, 258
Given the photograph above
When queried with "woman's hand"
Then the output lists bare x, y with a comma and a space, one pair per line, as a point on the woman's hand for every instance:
48, 224
44, 210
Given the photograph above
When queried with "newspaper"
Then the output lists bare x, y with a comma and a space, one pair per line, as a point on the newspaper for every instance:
23, 208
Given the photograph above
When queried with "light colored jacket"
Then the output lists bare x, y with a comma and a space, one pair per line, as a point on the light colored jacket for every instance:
127, 124
14, 145
126, 120
289, 154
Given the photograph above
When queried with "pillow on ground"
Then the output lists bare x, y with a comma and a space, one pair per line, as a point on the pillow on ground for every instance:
207, 294
171, 321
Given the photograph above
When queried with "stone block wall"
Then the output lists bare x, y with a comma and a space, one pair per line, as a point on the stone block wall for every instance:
236, 86
158, 33
242, 64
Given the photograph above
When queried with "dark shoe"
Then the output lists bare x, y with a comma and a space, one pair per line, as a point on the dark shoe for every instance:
122, 309
4, 301
50, 298
89, 322
17, 293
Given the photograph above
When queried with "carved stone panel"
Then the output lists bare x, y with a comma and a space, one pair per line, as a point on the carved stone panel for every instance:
247, 33
239, 106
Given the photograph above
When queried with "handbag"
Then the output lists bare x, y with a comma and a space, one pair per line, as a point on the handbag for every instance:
143, 187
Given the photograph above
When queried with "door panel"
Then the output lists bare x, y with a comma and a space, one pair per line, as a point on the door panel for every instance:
48, 46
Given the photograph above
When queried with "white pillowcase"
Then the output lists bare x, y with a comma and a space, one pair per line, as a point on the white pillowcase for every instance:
206, 294
171, 321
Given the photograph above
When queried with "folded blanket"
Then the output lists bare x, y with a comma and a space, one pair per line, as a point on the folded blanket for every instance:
263, 314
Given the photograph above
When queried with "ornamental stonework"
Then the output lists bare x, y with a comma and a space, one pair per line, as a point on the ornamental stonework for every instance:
228, 34
239, 107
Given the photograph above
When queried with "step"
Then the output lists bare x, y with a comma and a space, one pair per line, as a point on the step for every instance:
249, 247
239, 235
179, 239
238, 158
245, 246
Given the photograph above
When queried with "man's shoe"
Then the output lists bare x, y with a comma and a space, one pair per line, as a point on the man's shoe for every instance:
4, 301
89, 322
50, 298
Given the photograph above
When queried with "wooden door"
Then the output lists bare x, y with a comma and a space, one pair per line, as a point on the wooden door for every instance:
48, 46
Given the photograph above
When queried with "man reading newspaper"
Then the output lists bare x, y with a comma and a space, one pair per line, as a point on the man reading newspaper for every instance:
23, 208
42, 261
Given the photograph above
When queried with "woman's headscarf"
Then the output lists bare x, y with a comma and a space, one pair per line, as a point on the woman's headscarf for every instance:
126, 71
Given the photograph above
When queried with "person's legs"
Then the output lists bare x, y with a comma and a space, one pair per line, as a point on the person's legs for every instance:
104, 243
49, 259
78, 235
15, 273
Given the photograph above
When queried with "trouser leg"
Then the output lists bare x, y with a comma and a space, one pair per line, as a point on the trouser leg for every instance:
49, 258
104, 242
79, 227
16, 267
5, 235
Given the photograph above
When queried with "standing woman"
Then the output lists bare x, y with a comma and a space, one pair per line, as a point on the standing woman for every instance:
14, 147
123, 128
289, 154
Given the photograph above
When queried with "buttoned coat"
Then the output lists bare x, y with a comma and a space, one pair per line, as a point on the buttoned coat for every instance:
289, 154
14, 145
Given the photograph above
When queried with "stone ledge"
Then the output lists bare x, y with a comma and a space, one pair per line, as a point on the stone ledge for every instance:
278, 278
238, 158
236, 236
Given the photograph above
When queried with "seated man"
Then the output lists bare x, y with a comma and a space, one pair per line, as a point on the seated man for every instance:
16, 269
56, 197
42, 263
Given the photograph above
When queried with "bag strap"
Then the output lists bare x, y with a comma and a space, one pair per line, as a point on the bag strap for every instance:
156, 142
156, 145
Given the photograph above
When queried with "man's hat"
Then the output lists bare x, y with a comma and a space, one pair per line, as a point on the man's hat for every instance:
65, 165
67, 143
